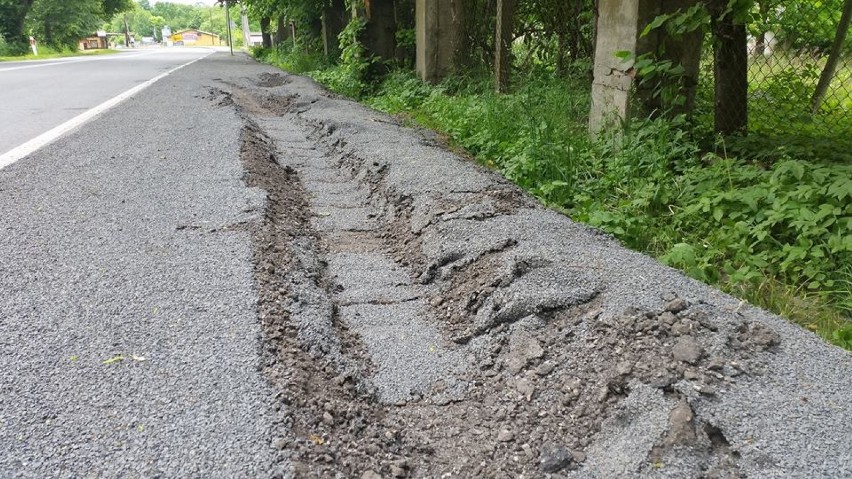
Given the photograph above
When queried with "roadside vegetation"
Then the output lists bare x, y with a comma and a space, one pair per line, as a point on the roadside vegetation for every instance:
766, 217
49, 53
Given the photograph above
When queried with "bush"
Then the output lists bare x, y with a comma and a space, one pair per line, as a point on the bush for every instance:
12, 49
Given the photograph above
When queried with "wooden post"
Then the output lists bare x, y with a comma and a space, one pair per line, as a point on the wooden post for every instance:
730, 69
334, 19
503, 45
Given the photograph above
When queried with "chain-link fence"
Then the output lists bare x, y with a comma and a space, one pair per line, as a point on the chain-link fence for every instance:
789, 44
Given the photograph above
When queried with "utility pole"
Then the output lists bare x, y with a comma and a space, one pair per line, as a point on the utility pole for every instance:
228, 24
126, 33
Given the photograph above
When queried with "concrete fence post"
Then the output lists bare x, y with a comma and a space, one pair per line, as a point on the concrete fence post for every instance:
438, 27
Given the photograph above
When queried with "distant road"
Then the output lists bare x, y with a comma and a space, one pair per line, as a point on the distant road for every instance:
38, 96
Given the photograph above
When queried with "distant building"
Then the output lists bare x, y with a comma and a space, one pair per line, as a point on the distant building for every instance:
256, 39
197, 38
95, 42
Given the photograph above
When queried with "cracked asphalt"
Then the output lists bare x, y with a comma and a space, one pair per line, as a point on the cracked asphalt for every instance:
284, 283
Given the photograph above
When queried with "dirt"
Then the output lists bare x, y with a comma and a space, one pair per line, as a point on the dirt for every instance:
271, 80
540, 387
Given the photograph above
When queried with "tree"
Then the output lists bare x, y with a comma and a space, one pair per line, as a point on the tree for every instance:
503, 44
555, 31
730, 65
833, 57
807, 25
112, 7
139, 22
178, 16
265, 10
62, 24
12, 18
764, 21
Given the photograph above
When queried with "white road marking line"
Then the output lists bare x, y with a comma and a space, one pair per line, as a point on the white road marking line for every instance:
40, 141
72, 61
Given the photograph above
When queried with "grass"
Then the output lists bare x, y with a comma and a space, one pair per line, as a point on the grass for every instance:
772, 230
47, 54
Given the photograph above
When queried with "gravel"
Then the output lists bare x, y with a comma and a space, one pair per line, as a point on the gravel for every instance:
417, 315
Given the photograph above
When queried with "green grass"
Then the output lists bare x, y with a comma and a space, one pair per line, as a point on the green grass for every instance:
775, 231
47, 54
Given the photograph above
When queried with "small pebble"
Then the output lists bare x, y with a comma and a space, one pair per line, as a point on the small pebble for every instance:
505, 435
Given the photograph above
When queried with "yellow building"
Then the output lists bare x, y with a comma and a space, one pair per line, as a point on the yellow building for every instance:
196, 38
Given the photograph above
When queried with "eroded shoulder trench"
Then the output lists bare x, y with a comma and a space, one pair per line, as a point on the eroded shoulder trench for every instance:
425, 318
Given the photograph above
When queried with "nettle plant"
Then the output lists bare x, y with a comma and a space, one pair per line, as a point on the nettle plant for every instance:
663, 77
791, 222
350, 77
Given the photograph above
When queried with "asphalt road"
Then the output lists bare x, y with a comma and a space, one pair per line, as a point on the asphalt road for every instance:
129, 337
37, 96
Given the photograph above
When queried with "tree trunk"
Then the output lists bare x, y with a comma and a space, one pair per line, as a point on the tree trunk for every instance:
283, 33
126, 32
404, 18
334, 18
760, 43
833, 57
730, 65
380, 32
560, 53
264, 31
503, 45
670, 95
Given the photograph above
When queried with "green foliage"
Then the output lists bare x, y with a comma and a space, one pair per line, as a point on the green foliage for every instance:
663, 78
12, 16
799, 25
790, 222
350, 78
555, 32
292, 58
62, 24
5, 49
843, 337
